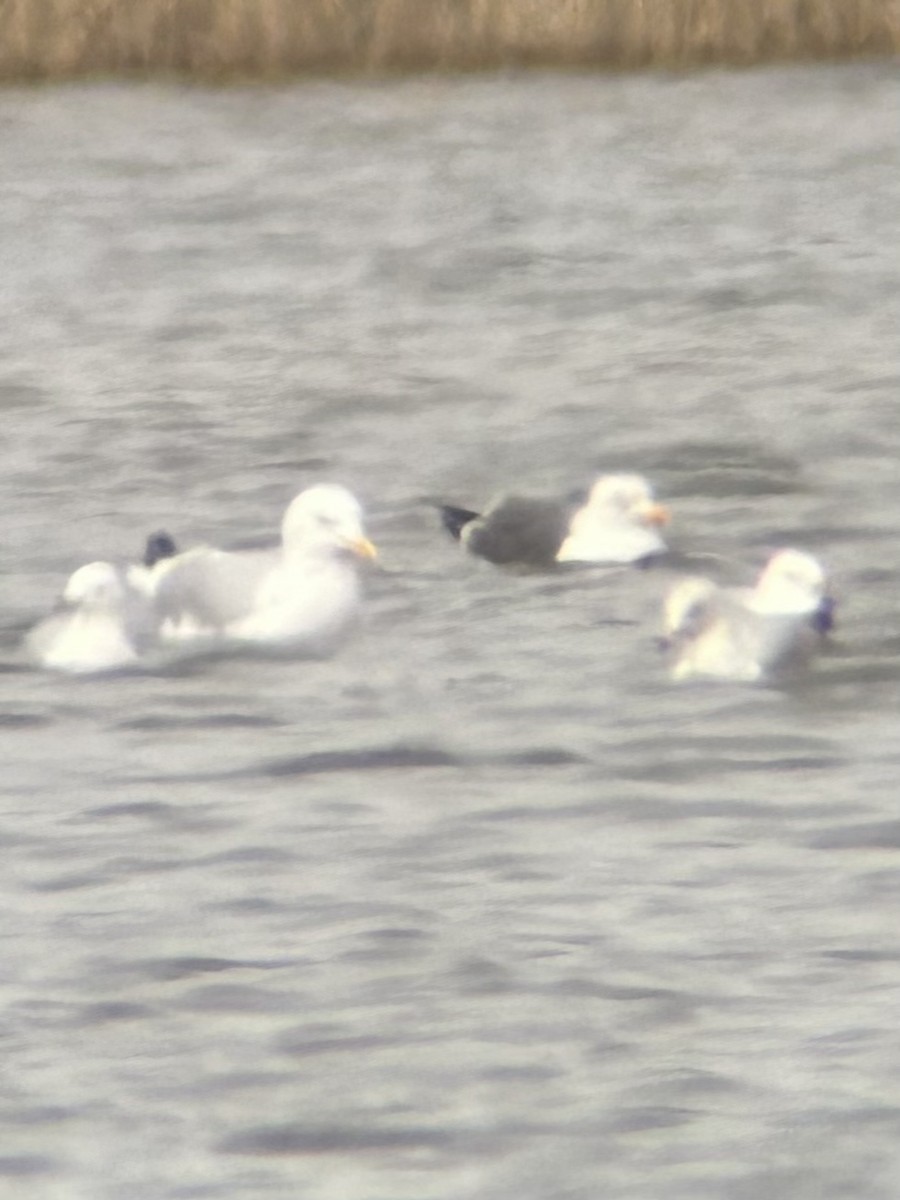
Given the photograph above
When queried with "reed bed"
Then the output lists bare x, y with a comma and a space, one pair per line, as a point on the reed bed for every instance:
267, 39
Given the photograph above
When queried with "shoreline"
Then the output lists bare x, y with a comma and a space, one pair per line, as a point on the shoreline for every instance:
247, 41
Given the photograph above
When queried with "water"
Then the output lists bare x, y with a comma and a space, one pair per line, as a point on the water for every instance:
484, 906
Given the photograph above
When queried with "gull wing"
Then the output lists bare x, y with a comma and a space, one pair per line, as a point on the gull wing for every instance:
209, 589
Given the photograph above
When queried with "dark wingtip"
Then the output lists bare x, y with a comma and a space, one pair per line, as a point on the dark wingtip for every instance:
822, 619
578, 497
159, 545
455, 520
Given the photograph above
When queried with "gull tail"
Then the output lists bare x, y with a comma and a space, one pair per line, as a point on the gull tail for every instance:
822, 619
455, 520
159, 545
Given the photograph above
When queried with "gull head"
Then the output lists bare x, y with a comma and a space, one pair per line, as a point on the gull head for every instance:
325, 518
791, 583
94, 586
627, 498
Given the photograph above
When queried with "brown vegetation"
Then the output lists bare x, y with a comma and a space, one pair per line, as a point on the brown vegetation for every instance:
263, 39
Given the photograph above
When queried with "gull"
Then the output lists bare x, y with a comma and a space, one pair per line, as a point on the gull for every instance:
302, 594
100, 623
619, 522
748, 634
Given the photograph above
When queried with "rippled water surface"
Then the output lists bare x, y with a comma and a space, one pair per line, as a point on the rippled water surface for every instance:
484, 906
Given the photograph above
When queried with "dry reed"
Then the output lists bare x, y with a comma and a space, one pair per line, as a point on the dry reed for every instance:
265, 39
